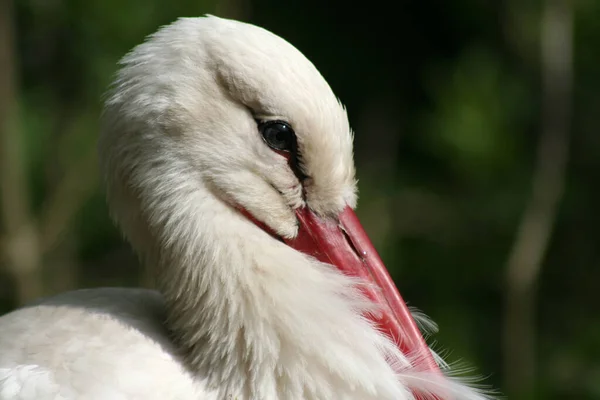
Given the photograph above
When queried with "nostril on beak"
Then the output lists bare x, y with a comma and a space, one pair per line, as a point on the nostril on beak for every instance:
352, 245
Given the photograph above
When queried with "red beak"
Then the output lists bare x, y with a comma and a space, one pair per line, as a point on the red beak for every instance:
344, 244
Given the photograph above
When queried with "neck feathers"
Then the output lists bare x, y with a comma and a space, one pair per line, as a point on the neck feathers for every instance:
261, 320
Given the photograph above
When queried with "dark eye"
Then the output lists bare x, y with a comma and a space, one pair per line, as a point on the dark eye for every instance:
279, 135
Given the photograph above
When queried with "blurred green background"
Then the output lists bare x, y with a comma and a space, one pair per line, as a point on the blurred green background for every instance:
477, 151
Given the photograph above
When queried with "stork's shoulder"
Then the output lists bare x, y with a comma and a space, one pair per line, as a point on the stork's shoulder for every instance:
84, 314
93, 344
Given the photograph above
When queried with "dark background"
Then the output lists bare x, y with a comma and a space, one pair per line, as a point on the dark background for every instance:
476, 146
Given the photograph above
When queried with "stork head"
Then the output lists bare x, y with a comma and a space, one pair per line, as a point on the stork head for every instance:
249, 112
217, 129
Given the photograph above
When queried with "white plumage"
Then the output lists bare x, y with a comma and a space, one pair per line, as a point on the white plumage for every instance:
240, 314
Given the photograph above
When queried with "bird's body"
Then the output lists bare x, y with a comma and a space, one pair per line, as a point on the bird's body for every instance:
228, 165
106, 344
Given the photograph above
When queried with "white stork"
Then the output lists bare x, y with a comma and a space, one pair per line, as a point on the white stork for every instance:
228, 164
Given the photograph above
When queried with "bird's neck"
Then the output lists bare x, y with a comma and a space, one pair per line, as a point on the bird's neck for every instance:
259, 320
254, 318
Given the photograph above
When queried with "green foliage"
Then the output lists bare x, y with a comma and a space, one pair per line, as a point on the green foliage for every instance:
478, 121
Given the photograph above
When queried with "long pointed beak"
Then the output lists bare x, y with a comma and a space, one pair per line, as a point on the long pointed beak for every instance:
345, 245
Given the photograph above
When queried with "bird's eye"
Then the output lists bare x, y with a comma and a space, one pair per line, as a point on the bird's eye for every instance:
279, 135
